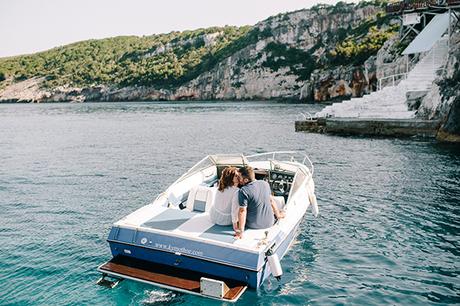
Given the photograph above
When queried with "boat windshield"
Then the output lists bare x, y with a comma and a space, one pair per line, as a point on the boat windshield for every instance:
215, 160
229, 159
299, 180
283, 156
201, 165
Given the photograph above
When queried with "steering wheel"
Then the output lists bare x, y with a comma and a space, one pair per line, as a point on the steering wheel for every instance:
280, 187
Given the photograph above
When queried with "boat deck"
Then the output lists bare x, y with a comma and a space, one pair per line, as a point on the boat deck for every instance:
166, 276
198, 226
190, 223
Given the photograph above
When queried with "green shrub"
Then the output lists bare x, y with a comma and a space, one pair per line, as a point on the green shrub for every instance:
136, 61
299, 62
128, 60
356, 51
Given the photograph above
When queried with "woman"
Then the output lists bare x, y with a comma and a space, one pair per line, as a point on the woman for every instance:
225, 208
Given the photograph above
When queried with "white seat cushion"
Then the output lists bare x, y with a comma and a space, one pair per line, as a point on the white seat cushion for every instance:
201, 198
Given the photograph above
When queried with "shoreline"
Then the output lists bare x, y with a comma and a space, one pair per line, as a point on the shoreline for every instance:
280, 101
377, 127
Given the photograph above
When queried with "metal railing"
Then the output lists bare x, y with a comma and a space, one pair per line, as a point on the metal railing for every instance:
393, 71
291, 158
306, 115
395, 79
427, 56
274, 157
416, 5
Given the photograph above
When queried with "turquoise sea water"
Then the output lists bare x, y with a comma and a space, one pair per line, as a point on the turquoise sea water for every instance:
388, 230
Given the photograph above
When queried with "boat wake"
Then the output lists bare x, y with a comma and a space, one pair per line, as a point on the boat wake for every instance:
160, 297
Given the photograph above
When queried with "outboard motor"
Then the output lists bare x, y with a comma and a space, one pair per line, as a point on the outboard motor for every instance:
275, 265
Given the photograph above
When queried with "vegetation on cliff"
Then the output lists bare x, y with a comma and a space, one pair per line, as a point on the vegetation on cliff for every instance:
157, 60
300, 63
173, 59
357, 49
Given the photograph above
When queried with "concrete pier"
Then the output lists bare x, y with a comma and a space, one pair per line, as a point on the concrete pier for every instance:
370, 127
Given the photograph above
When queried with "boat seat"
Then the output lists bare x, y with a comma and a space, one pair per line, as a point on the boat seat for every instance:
280, 202
201, 198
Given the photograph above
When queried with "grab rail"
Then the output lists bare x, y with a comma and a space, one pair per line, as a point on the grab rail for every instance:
307, 115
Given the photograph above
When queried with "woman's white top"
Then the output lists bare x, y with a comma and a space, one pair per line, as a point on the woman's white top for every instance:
225, 208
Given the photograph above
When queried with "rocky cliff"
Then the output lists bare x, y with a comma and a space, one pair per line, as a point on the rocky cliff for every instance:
317, 54
282, 65
443, 100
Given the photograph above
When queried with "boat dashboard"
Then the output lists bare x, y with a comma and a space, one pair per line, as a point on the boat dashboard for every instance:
280, 181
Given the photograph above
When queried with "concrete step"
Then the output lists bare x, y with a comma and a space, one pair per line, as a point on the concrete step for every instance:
387, 108
380, 104
391, 115
420, 83
422, 72
385, 104
387, 115
390, 102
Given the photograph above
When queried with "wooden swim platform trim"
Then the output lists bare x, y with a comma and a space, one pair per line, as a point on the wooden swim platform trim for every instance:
165, 275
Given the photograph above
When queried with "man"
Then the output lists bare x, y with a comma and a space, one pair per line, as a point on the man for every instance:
257, 209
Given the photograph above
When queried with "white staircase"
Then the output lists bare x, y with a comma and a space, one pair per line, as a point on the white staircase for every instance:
390, 102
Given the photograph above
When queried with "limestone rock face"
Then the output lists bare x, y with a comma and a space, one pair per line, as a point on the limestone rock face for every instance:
447, 85
443, 100
339, 84
450, 129
249, 73
431, 105
244, 76
24, 91
450, 91
389, 62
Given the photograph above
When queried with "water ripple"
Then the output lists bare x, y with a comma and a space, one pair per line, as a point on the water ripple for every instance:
387, 231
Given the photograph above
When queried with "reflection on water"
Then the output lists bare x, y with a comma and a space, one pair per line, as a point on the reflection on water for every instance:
387, 231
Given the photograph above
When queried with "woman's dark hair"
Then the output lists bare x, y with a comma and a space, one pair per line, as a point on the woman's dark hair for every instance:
226, 178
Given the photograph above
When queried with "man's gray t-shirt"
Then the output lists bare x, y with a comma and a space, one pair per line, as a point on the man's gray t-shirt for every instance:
256, 197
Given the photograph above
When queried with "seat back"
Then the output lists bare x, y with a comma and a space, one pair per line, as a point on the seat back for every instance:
201, 198
280, 202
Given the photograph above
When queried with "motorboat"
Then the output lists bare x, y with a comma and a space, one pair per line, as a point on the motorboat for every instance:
172, 243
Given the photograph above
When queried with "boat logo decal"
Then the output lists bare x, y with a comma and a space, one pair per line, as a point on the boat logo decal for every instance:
176, 249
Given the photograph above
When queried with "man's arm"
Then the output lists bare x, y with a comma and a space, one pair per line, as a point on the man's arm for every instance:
235, 210
242, 212
278, 214
241, 222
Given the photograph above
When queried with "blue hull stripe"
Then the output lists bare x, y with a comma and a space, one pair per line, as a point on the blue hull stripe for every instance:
253, 278
197, 249
186, 262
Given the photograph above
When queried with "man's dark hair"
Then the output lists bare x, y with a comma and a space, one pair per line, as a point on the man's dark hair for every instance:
248, 173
